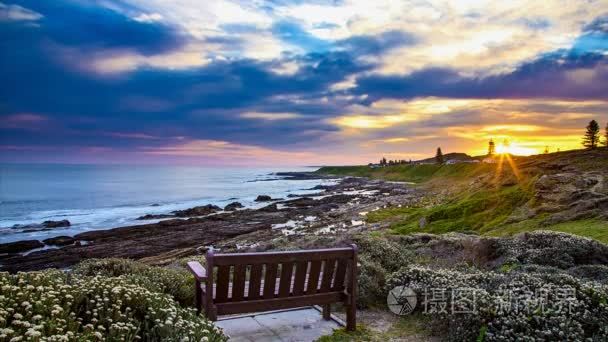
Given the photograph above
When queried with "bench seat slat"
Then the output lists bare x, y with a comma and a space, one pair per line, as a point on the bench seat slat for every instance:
255, 280
313, 277
286, 280
237, 288
340, 275
223, 279
231, 291
270, 281
327, 274
300, 278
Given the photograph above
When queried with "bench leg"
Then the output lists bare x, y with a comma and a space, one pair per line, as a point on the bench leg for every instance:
211, 313
198, 296
327, 312
351, 317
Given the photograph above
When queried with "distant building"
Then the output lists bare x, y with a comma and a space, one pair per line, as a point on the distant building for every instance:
456, 161
489, 160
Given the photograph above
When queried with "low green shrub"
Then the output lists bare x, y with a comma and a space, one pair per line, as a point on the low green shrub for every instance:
54, 306
515, 306
378, 258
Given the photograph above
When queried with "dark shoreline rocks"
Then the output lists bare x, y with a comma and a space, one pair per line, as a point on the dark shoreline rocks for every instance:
197, 211
303, 175
233, 206
263, 198
270, 208
154, 216
56, 224
60, 240
20, 246
266, 198
46, 225
179, 237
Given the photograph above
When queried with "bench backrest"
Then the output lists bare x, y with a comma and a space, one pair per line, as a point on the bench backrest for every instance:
255, 276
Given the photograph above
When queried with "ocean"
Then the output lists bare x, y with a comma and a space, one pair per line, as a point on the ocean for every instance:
94, 197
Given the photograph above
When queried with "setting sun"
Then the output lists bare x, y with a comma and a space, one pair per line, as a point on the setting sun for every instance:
515, 149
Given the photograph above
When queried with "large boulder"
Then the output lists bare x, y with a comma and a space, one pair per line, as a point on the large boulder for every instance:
263, 198
233, 206
198, 211
56, 224
20, 246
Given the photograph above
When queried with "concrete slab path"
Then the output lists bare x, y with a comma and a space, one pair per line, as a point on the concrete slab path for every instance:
304, 324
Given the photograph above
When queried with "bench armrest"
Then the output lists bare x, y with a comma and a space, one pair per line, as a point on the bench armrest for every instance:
198, 270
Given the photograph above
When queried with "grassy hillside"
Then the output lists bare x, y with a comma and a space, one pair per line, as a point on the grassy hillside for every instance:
496, 199
411, 173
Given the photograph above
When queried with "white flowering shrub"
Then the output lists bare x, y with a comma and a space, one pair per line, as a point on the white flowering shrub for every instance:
175, 282
55, 306
515, 306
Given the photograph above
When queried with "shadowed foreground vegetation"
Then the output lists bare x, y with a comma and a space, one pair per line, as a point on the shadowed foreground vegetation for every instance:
102, 300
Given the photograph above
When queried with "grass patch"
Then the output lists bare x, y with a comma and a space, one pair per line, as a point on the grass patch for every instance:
592, 228
478, 211
357, 171
408, 325
411, 173
393, 213
413, 326
341, 335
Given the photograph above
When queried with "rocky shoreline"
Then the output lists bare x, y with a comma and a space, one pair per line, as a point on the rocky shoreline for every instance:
334, 210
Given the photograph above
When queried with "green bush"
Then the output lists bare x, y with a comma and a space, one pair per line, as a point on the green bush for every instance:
177, 283
55, 306
378, 258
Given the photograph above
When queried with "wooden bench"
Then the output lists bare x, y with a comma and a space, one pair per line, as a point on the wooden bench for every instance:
254, 282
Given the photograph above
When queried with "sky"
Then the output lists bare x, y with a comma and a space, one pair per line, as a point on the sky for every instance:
294, 82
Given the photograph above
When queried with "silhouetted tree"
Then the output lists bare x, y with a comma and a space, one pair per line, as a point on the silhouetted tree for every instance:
592, 135
491, 148
546, 149
383, 161
439, 156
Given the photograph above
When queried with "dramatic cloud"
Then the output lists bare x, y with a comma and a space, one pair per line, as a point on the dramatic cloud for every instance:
17, 13
295, 81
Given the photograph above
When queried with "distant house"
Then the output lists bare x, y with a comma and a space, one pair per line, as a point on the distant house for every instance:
489, 160
456, 161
